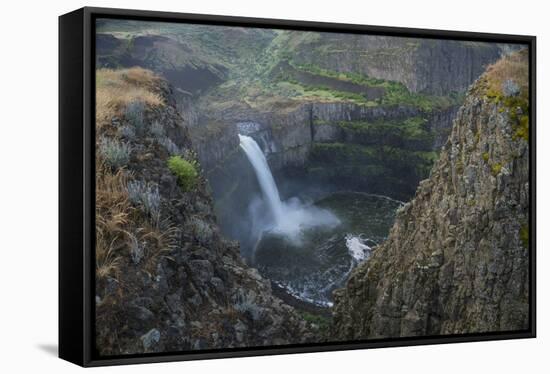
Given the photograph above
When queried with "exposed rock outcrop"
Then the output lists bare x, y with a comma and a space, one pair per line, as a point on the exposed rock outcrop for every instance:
457, 257
175, 283
174, 60
200, 62
423, 65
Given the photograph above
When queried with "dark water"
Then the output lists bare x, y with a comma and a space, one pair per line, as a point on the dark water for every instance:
321, 260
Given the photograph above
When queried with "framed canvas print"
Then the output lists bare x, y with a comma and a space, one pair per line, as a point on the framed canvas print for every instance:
235, 186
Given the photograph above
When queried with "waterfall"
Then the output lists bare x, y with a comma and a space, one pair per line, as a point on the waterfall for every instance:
265, 178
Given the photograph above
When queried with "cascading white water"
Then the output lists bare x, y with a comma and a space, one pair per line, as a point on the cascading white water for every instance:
265, 178
289, 217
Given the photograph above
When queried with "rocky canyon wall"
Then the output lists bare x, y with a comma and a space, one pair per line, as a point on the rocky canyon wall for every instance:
457, 258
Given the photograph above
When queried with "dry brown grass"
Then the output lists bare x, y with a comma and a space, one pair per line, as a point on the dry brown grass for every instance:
160, 242
514, 67
112, 215
119, 225
115, 89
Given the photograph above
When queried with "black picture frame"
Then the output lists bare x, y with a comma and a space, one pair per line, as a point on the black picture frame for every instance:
76, 184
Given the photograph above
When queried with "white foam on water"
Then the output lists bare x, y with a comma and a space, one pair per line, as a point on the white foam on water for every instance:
357, 247
305, 296
291, 217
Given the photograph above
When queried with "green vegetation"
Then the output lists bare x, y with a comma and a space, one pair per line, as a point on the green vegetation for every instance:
135, 115
213, 48
322, 322
398, 94
185, 171
375, 166
127, 211
507, 84
524, 235
459, 165
342, 152
336, 152
115, 154
299, 89
476, 136
419, 161
485, 156
496, 168
407, 130
522, 127
518, 112
415, 127
147, 197
395, 93
344, 76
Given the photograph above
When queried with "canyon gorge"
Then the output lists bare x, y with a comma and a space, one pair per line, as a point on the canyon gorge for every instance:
309, 186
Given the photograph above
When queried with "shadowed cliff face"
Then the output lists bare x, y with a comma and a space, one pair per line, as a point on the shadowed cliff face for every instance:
173, 60
391, 100
456, 260
423, 65
331, 113
313, 91
166, 279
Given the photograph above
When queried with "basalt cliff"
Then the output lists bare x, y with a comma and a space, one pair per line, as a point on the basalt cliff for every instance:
456, 259
166, 279
332, 113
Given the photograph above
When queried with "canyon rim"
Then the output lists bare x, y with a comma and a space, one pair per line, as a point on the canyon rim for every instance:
261, 187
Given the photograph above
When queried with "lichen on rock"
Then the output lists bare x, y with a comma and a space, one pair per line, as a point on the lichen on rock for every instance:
455, 261
166, 279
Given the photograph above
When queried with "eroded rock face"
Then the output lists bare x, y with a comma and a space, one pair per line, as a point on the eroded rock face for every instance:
429, 66
457, 258
166, 56
199, 294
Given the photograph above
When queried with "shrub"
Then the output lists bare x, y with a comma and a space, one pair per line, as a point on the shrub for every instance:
201, 230
185, 171
137, 249
322, 322
147, 196
134, 113
127, 132
157, 130
116, 154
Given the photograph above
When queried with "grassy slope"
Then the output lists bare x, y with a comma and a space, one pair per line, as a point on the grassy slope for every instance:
263, 74
274, 76
517, 105
251, 55
231, 47
121, 225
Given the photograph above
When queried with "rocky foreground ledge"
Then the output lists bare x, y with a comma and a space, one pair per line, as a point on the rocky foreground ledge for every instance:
457, 259
166, 280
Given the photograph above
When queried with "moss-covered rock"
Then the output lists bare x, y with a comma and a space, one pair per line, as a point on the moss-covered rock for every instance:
455, 260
